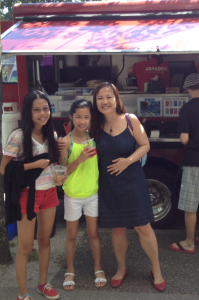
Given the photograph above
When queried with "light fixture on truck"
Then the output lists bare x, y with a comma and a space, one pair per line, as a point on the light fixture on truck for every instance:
10, 108
7, 109
10, 120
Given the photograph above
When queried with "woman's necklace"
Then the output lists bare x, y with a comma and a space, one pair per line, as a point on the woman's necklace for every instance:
111, 129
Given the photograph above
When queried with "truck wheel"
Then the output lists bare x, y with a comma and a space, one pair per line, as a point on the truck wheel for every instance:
159, 184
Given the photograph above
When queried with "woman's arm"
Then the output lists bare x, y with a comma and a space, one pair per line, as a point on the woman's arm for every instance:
63, 151
14, 149
120, 164
184, 138
5, 160
141, 138
41, 163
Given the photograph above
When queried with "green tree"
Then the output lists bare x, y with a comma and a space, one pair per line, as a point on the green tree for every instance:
7, 6
5, 255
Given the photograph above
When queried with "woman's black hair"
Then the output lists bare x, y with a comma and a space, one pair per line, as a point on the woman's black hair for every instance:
27, 126
97, 120
82, 103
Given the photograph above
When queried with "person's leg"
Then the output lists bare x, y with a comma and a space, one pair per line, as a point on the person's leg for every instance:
120, 245
26, 231
149, 244
72, 214
45, 219
92, 229
71, 234
190, 223
188, 202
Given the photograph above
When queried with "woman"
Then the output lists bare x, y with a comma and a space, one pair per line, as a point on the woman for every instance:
33, 140
123, 193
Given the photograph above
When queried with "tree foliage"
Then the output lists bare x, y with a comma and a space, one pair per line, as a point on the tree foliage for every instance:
5, 255
7, 6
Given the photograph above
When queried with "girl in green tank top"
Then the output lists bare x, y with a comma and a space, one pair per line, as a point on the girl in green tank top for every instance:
81, 189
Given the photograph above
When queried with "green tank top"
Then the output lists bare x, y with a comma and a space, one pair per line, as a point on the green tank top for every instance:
83, 181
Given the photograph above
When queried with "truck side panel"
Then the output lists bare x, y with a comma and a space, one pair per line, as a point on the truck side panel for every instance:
22, 80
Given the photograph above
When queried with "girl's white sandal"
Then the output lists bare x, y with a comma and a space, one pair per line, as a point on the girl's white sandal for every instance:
70, 282
100, 280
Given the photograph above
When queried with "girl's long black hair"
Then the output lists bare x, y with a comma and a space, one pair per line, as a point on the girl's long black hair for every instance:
27, 126
82, 103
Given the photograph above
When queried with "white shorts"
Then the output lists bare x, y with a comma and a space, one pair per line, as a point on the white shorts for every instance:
73, 207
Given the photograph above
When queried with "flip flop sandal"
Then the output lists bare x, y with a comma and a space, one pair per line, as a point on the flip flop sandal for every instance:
197, 241
181, 249
100, 280
70, 282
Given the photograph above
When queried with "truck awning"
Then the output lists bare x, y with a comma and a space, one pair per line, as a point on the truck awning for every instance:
103, 36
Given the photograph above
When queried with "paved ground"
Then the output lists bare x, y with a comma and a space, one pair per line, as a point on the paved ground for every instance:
175, 266
181, 271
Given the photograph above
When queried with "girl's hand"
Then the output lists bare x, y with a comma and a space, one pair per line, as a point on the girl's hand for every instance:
59, 179
86, 154
118, 166
42, 163
60, 144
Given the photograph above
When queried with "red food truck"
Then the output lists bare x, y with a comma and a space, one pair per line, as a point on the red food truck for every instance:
65, 49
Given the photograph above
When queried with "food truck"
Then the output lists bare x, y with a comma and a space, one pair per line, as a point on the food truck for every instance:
146, 48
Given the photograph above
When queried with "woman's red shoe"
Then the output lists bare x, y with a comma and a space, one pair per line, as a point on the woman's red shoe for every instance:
160, 287
117, 282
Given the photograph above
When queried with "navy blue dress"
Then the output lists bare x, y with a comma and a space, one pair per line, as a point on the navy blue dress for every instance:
124, 200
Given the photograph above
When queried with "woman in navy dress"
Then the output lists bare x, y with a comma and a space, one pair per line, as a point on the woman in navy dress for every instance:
124, 199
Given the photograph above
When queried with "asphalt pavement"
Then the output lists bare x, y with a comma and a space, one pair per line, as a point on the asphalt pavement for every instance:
181, 271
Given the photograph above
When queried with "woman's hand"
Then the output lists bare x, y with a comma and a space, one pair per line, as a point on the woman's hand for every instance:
86, 154
118, 166
42, 163
60, 144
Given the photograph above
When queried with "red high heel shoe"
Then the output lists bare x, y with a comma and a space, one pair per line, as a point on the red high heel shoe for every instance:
117, 282
160, 287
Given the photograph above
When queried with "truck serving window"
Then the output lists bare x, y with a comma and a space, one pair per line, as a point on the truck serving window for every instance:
9, 69
47, 68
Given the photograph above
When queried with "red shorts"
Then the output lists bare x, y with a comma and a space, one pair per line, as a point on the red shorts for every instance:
43, 199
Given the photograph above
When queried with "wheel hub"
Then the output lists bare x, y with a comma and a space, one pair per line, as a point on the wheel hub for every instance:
154, 195
160, 198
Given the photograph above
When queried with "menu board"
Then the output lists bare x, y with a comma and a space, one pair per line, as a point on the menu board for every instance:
149, 106
172, 105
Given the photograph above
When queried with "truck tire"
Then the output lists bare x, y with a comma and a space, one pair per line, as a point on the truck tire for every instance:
159, 184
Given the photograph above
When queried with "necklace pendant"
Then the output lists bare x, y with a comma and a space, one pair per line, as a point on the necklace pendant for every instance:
111, 130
